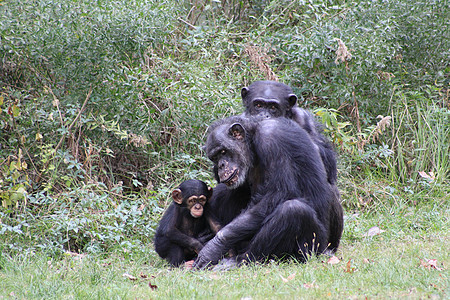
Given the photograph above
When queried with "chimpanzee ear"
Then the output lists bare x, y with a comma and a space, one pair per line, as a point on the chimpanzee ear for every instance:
292, 99
237, 131
177, 196
244, 92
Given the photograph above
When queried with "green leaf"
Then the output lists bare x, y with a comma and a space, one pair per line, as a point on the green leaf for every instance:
15, 110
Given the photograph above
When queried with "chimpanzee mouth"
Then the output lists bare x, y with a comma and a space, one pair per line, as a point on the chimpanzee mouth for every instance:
232, 178
196, 214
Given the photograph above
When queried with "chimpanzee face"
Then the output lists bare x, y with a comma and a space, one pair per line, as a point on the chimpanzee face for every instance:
268, 99
195, 205
266, 108
192, 195
228, 149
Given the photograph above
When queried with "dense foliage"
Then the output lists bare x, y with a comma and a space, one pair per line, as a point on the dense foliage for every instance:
104, 104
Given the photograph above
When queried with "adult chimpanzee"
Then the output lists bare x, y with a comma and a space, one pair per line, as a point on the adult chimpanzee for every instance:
187, 223
271, 99
291, 200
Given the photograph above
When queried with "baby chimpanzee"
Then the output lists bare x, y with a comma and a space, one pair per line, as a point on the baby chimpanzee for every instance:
187, 224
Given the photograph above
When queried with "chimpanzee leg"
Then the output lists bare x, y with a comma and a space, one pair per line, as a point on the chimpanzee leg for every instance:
293, 228
175, 255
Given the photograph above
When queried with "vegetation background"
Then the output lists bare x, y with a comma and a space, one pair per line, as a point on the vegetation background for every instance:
104, 107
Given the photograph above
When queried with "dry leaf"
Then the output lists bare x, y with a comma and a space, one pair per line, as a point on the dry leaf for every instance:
374, 231
430, 175
342, 53
131, 277
430, 264
310, 285
152, 286
290, 277
333, 260
349, 268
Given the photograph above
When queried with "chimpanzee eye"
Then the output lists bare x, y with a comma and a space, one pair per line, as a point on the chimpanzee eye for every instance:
257, 104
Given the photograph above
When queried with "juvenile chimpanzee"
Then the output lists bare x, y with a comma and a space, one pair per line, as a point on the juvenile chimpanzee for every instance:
291, 200
271, 99
187, 224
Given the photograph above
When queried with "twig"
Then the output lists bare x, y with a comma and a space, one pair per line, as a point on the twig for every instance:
284, 10
68, 130
76, 119
335, 15
187, 23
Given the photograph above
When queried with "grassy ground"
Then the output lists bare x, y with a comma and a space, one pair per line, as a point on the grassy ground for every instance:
408, 258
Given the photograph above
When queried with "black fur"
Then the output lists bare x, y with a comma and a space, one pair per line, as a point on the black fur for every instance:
180, 236
271, 99
291, 202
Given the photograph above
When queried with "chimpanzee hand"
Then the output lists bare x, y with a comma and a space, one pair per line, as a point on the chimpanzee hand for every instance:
211, 253
197, 246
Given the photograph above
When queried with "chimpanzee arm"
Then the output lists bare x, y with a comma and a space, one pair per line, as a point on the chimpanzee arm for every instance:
244, 226
173, 234
184, 240
213, 222
211, 231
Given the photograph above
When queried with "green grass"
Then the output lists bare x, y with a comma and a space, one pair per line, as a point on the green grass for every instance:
387, 265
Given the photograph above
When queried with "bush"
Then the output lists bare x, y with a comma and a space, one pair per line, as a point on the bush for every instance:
81, 220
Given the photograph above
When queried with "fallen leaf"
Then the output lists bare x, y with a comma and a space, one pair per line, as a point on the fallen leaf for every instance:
290, 277
142, 275
430, 264
349, 268
430, 175
374, 231
310, 285
333, 260
131, 277
152, 286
